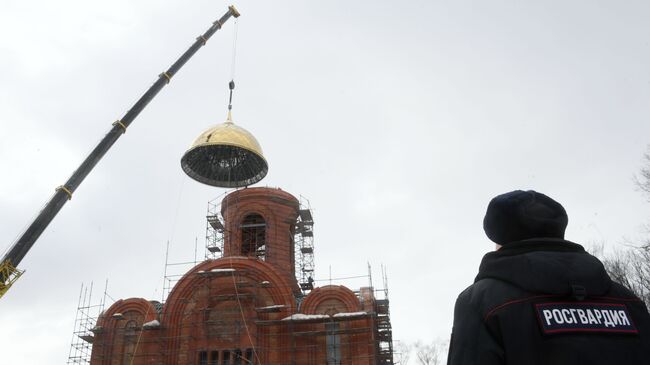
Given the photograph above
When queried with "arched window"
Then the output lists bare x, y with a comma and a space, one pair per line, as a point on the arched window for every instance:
129, 328
253, 234
129, 342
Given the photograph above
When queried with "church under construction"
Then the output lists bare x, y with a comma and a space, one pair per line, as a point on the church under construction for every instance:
253, 301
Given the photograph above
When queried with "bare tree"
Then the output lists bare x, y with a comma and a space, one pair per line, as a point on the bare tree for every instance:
643, 178
403, 352
432, 353
631, 268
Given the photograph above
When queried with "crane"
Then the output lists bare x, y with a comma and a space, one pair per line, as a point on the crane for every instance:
9, 271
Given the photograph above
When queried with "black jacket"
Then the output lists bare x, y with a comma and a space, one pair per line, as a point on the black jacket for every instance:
547, 301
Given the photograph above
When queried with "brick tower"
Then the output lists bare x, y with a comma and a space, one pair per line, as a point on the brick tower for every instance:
260, 223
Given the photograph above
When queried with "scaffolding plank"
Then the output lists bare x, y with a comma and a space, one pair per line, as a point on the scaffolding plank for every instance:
304, 225
215, 222
346, 331
382, 308
384, 335
271, 308
87, 338
232, 296
305, 215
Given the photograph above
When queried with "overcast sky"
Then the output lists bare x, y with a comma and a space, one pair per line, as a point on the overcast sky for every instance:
399, 121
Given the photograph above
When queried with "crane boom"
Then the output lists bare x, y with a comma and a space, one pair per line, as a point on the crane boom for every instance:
9, 272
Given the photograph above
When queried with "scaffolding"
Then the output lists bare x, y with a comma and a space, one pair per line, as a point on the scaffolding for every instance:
214, 242
234, 313
85, 323
214, 229
242, 312
229, 306
304, 246
303, 239
174, 272
384, 329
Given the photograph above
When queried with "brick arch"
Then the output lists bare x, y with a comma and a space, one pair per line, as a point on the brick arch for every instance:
330, 299
257, 270
144, 312
255, 208
138, 305
233, 235
279, 290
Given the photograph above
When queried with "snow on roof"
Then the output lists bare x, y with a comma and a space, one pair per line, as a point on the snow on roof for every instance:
228, 269
302, 317
273, 306
151, 324
350, 314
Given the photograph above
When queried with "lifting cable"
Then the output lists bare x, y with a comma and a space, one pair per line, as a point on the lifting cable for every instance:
231, 87
231, 84
256, 359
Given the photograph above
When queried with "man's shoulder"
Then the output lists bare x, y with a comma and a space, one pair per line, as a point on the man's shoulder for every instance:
486, 287
621, 291
487, 293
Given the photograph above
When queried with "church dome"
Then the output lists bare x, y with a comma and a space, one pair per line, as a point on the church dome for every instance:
225, 155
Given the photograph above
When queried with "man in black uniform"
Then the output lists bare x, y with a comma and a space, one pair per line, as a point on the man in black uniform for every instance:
539, 299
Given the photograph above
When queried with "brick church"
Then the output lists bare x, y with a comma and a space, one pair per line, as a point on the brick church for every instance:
247, 306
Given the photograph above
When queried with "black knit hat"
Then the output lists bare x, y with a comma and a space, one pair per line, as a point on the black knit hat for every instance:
520, 215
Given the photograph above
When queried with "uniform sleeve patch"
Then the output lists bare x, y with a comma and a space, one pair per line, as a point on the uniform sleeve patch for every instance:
584, 317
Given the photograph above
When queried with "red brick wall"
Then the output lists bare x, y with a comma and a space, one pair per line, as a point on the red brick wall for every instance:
279, 209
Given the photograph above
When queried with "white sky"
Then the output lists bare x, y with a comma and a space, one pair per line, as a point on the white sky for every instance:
399, 121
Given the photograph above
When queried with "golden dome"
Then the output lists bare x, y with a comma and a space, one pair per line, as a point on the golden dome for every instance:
225, 155
227, 133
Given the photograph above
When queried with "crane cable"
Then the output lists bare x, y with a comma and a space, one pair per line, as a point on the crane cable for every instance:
231, 84
231, 87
